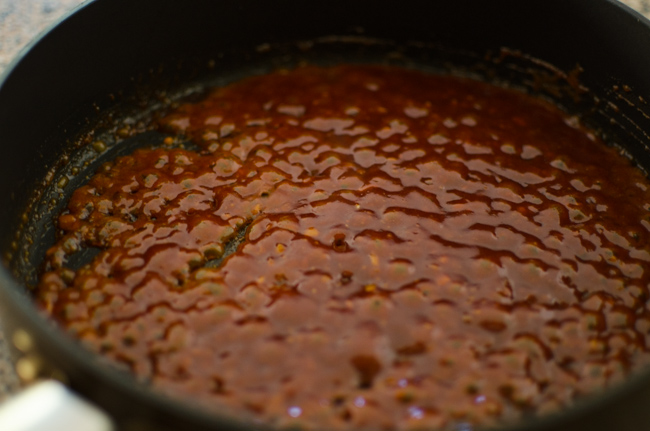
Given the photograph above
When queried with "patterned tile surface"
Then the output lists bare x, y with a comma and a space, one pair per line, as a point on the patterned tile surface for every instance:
20, 21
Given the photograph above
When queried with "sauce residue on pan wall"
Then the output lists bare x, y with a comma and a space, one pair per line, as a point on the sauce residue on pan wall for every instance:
414, 251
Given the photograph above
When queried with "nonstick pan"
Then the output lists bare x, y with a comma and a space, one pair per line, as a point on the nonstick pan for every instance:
100, 71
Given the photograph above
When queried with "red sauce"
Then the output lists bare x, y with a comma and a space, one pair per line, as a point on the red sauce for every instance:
419, 251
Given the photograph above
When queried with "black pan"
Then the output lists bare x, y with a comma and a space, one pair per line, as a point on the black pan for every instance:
114, 59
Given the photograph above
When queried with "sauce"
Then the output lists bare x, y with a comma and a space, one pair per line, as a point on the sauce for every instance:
411, 251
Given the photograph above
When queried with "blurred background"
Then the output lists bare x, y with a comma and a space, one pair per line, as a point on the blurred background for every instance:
20, 22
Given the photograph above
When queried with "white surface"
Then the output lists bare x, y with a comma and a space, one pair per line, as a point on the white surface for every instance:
50, 406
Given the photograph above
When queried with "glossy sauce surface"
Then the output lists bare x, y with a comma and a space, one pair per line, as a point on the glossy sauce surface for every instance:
419, 252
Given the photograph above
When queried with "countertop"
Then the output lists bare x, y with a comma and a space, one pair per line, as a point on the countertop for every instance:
20, 22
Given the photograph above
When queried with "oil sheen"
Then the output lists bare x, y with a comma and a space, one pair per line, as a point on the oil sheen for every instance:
417, 251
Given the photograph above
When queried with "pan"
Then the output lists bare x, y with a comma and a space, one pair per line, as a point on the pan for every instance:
102, 70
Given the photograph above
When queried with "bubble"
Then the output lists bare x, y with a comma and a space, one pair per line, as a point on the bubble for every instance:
416, 412
294, 411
